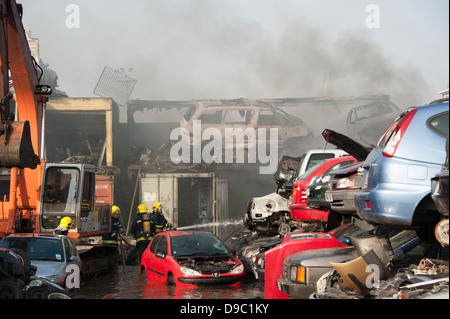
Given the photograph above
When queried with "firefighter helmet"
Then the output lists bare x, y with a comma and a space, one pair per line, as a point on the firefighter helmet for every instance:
142, 209
66, 222
157, 207
115, 209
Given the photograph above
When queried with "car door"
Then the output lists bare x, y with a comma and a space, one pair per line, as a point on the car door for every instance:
237, 121
159, 263
148, 258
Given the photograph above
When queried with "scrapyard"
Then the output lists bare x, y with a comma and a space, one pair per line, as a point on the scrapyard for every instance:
325, 196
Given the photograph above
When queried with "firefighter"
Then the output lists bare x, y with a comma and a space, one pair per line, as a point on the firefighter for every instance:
143, 230
158, 218
116, 228
64, 226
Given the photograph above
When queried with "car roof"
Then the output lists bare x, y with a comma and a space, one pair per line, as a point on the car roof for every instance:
34, 235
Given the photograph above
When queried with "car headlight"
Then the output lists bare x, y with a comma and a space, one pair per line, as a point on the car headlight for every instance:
345, 183
326, 179
189, 271
237, 270
297, 274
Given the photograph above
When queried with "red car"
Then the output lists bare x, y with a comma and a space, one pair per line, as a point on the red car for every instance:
294, 243
190, 258
299, 209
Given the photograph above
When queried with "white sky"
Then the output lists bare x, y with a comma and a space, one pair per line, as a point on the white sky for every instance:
196, 49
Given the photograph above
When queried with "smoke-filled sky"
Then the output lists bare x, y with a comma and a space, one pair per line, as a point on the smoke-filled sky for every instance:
201, 49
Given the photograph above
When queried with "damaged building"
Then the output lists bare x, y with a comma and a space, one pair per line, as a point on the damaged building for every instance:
135, 152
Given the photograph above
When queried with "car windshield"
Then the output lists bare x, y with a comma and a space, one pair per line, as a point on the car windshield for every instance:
36, 248
309, 171
198, 245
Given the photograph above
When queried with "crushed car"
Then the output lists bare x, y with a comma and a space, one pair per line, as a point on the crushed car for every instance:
296, 242
304, 215
382, 269
270, 214
347, 180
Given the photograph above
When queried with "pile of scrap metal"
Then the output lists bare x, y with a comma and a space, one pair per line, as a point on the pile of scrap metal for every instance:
372, 275
160, 161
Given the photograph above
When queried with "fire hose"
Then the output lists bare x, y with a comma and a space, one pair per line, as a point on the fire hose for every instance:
123, 240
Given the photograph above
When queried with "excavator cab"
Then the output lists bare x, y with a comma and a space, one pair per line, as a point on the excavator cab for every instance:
69, 190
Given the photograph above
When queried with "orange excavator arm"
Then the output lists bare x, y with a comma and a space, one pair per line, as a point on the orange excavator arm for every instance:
23, 137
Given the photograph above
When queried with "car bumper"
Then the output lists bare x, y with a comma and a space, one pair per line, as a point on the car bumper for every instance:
343, 201
228, 280
387, 204
308, 213
294, 290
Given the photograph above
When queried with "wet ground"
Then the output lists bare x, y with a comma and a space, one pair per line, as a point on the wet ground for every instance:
129, 285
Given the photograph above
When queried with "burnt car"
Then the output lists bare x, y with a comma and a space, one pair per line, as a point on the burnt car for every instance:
346, 181
293, 135
367, 122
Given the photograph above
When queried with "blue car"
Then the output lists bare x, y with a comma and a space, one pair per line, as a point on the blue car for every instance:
398, 171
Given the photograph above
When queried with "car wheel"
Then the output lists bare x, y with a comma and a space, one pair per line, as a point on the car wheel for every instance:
170, 279
10, 290
36, 292
57, 295
284, 229
143, 273
441, 232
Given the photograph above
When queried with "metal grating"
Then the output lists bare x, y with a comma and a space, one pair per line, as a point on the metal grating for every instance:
116, 85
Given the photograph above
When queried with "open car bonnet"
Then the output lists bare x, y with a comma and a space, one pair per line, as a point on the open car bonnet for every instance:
347, 144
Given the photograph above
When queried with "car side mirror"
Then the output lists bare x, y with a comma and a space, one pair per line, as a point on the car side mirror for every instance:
72, 258
160, 254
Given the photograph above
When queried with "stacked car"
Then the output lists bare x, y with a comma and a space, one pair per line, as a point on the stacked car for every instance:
397, 196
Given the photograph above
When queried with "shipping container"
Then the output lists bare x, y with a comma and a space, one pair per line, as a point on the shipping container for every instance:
188, 199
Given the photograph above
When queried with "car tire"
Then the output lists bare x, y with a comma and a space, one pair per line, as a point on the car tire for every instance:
170, 279
143, 273
37, 292
57, 295
10, 289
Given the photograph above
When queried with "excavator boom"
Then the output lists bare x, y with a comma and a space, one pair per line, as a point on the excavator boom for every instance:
19, 133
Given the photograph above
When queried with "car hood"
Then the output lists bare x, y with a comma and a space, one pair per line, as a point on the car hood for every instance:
321, 257
347, 144
48, 268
